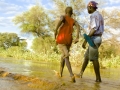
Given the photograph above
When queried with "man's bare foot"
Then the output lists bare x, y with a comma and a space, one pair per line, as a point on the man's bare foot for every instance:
98, 80
60, 75
57, 73
79, 75
73, 79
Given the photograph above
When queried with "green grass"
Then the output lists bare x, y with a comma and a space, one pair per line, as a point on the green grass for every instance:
107, 59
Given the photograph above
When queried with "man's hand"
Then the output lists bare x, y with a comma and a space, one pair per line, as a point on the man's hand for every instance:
76, 40
84, 44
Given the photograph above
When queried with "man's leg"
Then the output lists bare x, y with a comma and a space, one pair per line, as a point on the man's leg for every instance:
94, 55
85, 63
97, 70
66, 51
69, 69
69, 66
62, 64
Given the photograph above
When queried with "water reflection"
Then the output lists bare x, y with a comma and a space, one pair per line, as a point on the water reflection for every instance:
97, 86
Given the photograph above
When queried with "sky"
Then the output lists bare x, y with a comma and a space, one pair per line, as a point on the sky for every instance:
11, 8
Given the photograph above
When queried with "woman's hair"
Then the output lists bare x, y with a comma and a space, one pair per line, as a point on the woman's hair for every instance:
69, 10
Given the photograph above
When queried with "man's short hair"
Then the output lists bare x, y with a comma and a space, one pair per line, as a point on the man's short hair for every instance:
69, 10
92, 4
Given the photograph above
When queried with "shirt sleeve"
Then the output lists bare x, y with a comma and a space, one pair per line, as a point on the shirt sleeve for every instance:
94, 22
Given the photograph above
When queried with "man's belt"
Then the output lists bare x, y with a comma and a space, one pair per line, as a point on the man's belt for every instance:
97, 35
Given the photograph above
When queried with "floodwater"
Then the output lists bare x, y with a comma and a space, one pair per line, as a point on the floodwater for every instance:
48, 71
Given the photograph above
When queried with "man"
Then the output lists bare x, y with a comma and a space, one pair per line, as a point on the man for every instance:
96, 28
64, 39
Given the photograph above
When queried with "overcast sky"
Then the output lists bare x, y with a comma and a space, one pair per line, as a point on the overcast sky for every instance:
10, 8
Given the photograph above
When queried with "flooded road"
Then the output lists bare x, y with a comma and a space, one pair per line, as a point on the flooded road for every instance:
110, 77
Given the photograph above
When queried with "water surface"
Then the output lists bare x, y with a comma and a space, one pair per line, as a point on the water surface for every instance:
48, 70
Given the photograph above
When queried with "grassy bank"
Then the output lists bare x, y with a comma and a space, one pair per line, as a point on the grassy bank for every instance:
109, 55
19, 53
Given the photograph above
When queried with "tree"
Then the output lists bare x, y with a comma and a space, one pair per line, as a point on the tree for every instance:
112, 21
43, 45
9, 39
112, 18
60, 5
34, 21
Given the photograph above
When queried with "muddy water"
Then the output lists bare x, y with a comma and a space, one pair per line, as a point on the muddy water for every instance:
48, 71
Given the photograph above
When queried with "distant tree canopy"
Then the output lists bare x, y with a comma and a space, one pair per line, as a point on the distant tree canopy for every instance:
60, 5
112, 21
112, 18
10, 39
43, 45
34, 21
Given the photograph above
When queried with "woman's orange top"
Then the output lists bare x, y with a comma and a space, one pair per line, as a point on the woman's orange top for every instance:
65, 32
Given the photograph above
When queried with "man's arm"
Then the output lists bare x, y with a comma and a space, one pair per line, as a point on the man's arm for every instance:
58, 25
92, 31
78, 31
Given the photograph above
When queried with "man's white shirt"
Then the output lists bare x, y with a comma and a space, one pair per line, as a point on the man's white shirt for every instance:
96, 22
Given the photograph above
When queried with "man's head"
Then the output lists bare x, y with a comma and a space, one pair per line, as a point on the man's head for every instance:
92, 6
69, 10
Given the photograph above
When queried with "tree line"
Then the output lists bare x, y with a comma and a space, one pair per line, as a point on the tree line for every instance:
8, 40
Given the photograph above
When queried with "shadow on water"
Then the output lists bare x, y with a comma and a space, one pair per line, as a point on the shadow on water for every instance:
49, 70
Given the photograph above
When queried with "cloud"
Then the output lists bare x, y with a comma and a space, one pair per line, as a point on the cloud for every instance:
49, 5
6, 21
8, 12
7, 7
114, 1
109, 9
12, 13
29, 6
26, 1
